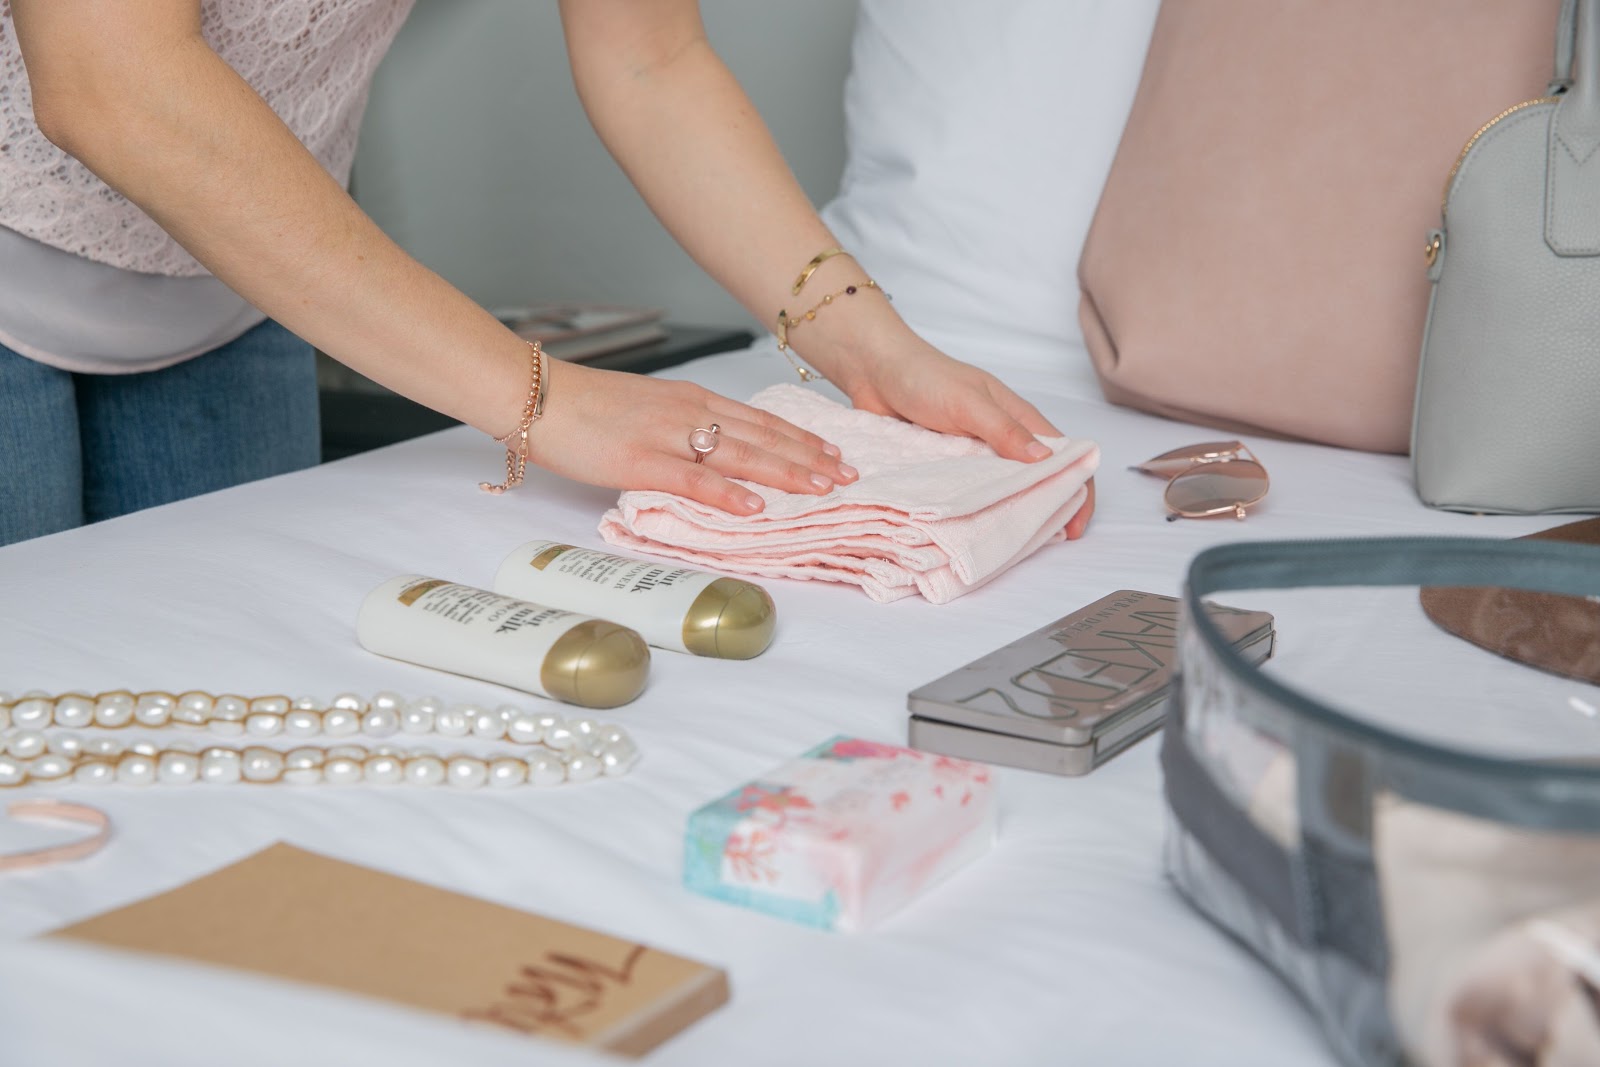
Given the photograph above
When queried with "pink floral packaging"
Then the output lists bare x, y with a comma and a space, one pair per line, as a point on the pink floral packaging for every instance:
843, 835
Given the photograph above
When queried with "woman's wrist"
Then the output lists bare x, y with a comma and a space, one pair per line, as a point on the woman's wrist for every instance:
850, 334
485, 382
833, 316
517, 442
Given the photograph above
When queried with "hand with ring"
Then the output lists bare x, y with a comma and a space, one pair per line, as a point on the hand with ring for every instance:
703, 442
628, 431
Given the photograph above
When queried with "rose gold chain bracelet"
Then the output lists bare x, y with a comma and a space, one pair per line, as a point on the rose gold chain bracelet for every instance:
516, 442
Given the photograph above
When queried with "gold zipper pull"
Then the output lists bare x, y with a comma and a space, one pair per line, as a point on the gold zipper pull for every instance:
1433, 252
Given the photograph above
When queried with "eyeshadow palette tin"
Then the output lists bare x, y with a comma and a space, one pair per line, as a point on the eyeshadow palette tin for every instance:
1074, 693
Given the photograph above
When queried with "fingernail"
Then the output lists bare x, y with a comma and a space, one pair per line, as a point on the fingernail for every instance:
752, 503
849, 471
1038, 451
831, 449
822, 484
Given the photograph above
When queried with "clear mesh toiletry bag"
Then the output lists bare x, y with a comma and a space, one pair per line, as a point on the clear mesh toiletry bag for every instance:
1403, 825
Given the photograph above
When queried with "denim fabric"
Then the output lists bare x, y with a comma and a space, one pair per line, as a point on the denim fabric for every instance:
78, 448
41, 470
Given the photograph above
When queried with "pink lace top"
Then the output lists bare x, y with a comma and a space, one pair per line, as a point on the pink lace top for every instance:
312, 62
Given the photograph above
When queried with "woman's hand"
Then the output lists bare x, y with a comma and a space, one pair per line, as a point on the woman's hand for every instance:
910, 379
627, 431
1080, 522
677, 121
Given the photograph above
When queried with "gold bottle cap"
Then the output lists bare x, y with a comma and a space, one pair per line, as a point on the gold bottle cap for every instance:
730, 619
596, 664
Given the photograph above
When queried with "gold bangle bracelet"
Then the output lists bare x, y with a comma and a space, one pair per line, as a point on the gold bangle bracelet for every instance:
811, 268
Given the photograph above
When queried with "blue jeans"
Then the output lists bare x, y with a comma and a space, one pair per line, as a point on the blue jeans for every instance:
78, 448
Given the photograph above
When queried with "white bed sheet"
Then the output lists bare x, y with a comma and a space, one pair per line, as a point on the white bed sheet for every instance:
1065, 944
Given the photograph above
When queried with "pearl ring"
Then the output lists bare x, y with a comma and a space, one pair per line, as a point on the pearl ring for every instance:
704, 441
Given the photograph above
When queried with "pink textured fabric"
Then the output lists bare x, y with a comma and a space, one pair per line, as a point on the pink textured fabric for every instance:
312, 62
932, 514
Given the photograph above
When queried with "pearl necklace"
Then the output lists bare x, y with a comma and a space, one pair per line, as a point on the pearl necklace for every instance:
565, 750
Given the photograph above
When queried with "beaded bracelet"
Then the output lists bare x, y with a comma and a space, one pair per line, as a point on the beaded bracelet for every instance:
787, 323
532, 412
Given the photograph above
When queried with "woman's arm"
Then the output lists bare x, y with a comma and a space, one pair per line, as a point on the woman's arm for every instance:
135, 93
674, 117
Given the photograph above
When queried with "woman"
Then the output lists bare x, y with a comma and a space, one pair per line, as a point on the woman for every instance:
134, 374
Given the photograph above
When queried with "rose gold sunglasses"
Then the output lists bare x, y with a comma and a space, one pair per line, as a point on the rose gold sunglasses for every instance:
1208, 480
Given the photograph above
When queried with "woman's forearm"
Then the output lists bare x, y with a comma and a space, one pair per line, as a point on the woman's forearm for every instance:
678, 122
673, 116
134, 92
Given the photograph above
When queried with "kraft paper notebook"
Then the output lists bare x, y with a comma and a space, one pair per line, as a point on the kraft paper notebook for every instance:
325, 922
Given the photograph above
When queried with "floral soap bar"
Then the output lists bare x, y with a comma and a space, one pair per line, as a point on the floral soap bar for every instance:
843, 835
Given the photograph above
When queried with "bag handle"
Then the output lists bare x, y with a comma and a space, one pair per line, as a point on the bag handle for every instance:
1572, 201
1566, 42
1583, 76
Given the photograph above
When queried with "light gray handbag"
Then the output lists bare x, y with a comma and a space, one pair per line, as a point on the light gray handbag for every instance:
1508, 394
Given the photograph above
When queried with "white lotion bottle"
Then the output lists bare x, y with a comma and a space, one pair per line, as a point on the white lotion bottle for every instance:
473, 632
671, 607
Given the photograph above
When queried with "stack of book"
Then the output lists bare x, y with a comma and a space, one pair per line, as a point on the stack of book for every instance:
577, 332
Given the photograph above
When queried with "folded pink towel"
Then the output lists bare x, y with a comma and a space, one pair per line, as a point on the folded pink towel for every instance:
932, 513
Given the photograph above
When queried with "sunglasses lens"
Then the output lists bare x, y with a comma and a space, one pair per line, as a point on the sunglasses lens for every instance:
1217, 487
1181, 459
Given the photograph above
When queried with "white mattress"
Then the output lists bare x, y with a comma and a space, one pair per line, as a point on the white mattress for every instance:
1065, 944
